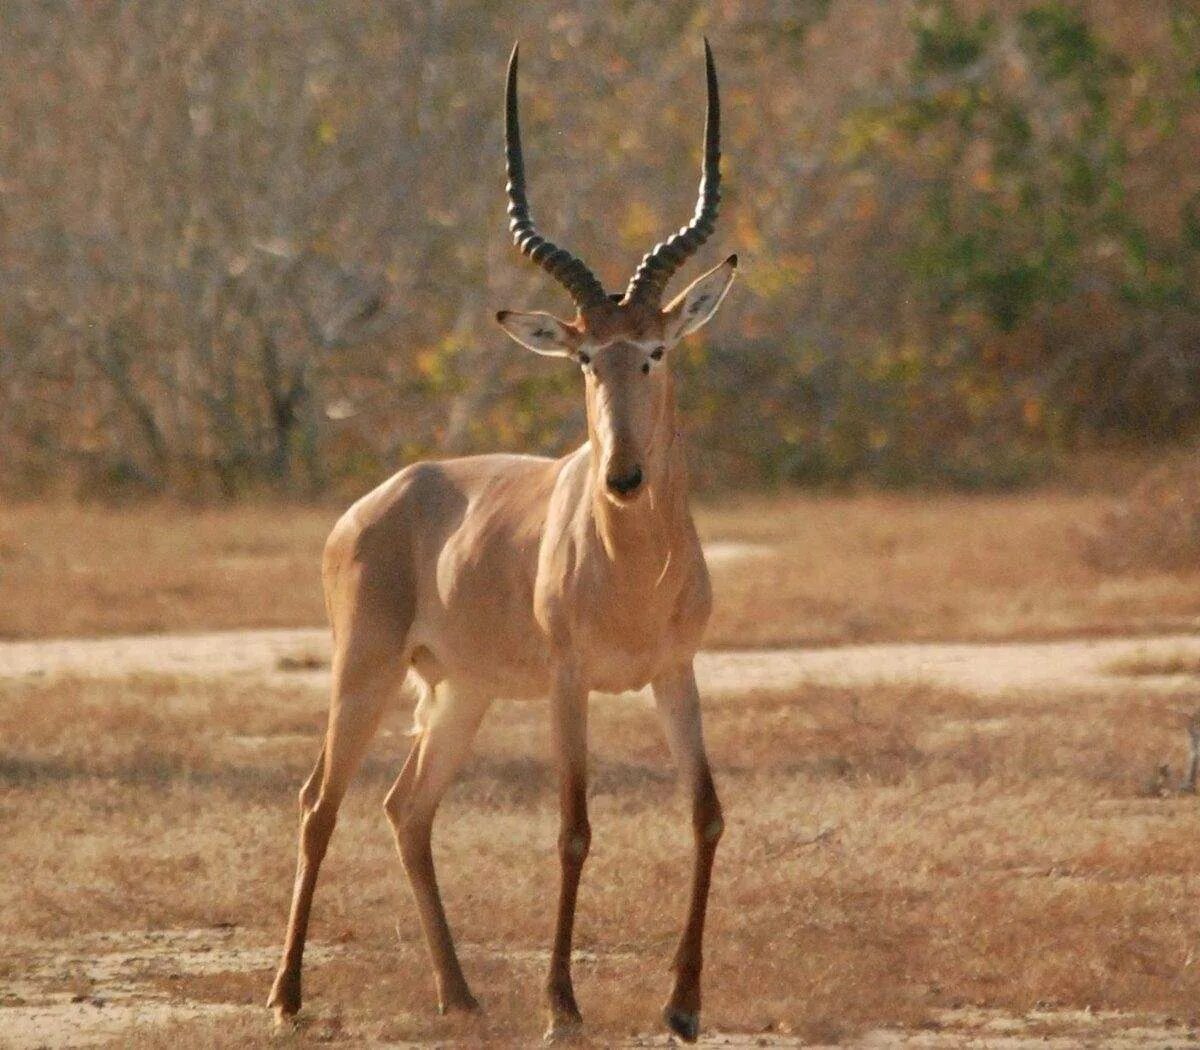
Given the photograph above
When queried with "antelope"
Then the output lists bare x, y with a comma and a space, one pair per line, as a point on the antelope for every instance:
524, 577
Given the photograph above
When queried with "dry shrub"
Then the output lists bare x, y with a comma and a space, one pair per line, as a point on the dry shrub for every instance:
1157, 525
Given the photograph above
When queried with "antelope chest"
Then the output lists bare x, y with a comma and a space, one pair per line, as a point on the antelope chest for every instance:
623, 637
618, 670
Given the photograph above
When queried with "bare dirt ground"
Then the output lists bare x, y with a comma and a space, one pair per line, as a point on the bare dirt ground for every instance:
102, 989
92, 989
1071, 665
128, 972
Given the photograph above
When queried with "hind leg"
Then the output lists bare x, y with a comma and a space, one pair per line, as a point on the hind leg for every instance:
366, 677
448, 722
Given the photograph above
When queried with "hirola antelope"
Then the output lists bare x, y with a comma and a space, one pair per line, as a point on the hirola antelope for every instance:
525, 577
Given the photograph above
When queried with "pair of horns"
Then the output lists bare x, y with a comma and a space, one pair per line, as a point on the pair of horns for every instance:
657, 265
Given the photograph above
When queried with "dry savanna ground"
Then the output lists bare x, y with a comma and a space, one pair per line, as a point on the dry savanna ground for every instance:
900, 857
822, 569
905, 864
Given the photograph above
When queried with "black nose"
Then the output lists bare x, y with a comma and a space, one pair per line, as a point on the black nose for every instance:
625, 484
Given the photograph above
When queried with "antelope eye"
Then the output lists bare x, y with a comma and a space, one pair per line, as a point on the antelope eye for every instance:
656, 354
584, 359
646, 368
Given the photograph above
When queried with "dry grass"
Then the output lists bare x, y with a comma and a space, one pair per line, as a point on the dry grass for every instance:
835, 569
1156, 525
1145, 665
68, 569
877, 567
890, 852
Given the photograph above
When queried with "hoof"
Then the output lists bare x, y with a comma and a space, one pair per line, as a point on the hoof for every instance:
285, 1020
462, 1003
284, 1001
564, 1028
683, 1024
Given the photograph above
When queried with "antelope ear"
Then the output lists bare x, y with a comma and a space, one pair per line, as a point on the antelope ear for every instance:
692, 308
542, 333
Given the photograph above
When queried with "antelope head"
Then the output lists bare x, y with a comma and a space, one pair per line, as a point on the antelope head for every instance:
622, 342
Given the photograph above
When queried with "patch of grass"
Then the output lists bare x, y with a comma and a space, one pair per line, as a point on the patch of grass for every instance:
68, 569
304, 661
1155, 525
1145, 665
891, 853
885, 567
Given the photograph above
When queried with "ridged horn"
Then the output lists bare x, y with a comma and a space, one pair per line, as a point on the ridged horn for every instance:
564, 267
660, 263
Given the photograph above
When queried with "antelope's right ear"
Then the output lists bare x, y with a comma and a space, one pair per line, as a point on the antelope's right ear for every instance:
542, 333
696, 304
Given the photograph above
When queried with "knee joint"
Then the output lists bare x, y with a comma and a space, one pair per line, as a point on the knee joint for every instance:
411, 829
309, 795
574, 844
710, 828
394, 809
316, 826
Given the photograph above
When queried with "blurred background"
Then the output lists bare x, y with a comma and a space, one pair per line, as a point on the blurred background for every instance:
251, 247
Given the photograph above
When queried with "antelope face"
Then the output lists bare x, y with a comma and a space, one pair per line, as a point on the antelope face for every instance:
621, 342
627, 390
624, 352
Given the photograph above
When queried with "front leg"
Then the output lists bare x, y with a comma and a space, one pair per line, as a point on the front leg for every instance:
568, 714
678, 703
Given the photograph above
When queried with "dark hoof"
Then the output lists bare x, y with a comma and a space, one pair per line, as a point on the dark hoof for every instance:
284, 1000
684, 1025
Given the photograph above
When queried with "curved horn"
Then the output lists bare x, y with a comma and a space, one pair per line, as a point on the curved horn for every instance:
660, 263
564, 267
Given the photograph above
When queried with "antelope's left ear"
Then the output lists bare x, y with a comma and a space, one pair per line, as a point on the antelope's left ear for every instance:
699, 300
542, 333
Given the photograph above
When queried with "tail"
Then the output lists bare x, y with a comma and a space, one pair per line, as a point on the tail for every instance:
423, 694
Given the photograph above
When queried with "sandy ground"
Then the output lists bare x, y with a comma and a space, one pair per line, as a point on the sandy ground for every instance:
96, 988
1085, 665
100, 988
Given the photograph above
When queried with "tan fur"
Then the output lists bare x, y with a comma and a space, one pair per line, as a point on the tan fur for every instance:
519, 576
